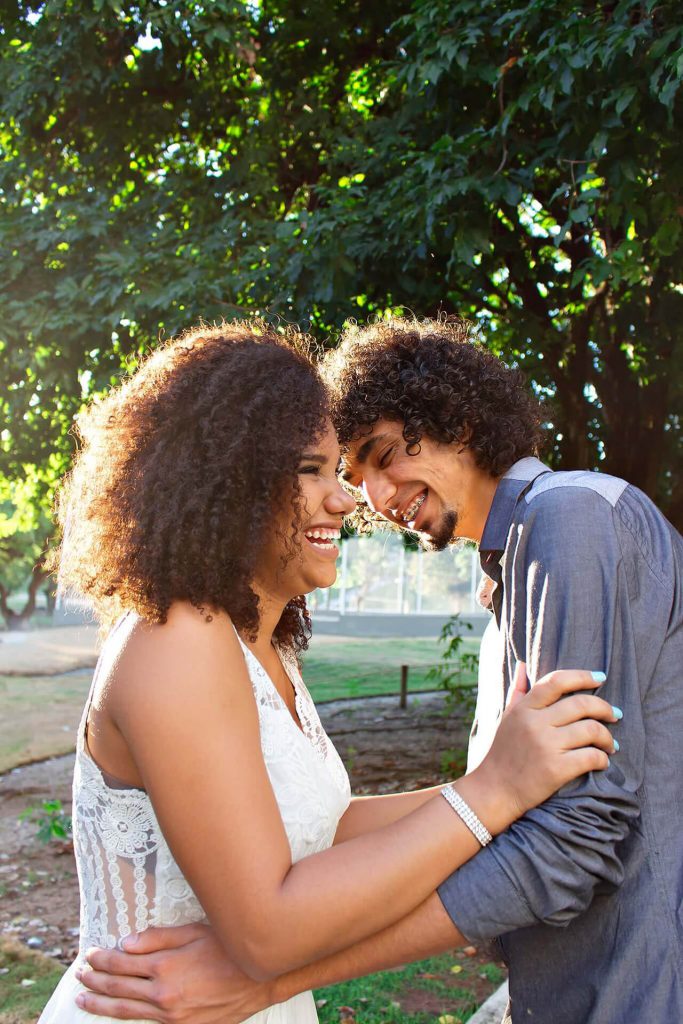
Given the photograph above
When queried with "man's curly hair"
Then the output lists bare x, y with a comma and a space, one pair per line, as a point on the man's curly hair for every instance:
440, 382
182, 472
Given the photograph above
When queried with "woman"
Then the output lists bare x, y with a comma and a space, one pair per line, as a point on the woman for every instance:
203, 505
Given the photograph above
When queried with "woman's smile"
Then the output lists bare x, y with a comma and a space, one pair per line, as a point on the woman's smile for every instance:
322, 539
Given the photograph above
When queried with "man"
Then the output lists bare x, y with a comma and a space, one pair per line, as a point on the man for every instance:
584, 893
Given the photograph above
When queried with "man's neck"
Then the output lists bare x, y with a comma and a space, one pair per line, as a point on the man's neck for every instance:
472, 519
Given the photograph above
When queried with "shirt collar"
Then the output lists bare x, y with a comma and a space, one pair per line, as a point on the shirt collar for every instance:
508, 492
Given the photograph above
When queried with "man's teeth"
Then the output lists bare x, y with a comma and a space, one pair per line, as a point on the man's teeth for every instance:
323, 538
410, 513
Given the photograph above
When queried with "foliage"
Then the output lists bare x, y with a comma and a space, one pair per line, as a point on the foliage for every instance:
522, 165
456, 667
453, 762
25, 528
52, 824
517, 161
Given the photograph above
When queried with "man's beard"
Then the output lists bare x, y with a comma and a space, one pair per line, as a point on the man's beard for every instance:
444, 534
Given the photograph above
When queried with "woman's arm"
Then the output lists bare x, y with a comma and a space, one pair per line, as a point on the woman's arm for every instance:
186, 710
368, 813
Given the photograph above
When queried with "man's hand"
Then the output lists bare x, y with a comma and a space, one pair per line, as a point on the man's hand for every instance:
173, 975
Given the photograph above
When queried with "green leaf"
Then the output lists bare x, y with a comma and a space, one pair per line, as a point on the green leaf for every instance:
223, 172
625, 99
579, 214
599, 143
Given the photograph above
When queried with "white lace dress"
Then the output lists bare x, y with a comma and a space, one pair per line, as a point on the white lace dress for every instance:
127, 875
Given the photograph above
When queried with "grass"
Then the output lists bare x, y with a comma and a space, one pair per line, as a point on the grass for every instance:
335, 667
39, 714
448, 989
21, 1004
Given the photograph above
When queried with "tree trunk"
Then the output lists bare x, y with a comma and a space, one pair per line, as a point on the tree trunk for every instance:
19, 620
576, 449
634, 415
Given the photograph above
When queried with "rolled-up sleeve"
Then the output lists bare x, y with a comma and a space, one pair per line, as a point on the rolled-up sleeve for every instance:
568, 606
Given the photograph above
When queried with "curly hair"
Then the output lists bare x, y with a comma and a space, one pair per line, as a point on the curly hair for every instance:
440, 382
180, 472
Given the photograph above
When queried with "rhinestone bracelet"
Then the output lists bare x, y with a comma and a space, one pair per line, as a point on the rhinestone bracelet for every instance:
465, 812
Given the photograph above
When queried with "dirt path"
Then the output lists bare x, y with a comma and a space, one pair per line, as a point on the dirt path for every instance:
385, 750
47, 652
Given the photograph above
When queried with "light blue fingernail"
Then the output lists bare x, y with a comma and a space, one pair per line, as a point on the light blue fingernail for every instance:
599, 677
617, 712
616, 745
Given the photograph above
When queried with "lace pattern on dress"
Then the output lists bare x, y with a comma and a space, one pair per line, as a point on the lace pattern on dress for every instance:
124, 865
311, 726
128, 877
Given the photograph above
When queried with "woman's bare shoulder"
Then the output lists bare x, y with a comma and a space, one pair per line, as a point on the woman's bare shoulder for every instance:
190, 648
184, 624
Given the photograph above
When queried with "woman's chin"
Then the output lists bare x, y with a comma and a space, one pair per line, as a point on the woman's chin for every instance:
321, 580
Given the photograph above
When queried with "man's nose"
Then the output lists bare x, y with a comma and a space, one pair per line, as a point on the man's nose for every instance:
378, 493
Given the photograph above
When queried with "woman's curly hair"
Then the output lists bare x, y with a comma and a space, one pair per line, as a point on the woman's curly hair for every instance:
440, 382
182, 471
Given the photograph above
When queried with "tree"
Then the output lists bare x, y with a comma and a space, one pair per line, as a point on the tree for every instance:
519, 163
25, 529
135, 170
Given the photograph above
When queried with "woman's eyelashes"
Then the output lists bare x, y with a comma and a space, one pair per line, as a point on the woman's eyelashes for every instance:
316, 469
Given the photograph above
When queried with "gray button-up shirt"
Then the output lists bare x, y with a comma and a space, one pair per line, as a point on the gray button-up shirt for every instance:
586, 892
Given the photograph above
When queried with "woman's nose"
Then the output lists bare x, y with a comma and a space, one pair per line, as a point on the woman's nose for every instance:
340, 501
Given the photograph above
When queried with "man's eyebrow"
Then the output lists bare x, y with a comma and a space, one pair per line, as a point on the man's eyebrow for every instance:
365, 449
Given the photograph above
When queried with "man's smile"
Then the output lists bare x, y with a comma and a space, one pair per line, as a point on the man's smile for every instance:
409, 514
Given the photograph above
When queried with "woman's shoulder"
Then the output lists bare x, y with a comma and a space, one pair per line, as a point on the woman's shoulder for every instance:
192, 644
184, 622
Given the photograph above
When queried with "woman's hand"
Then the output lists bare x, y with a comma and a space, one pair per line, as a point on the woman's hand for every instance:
546, 739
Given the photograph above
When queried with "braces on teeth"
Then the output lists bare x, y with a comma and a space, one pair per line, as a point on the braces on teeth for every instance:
410, 514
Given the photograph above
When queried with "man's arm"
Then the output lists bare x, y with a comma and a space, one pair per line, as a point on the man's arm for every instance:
427, 931
187, 979
569, 605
